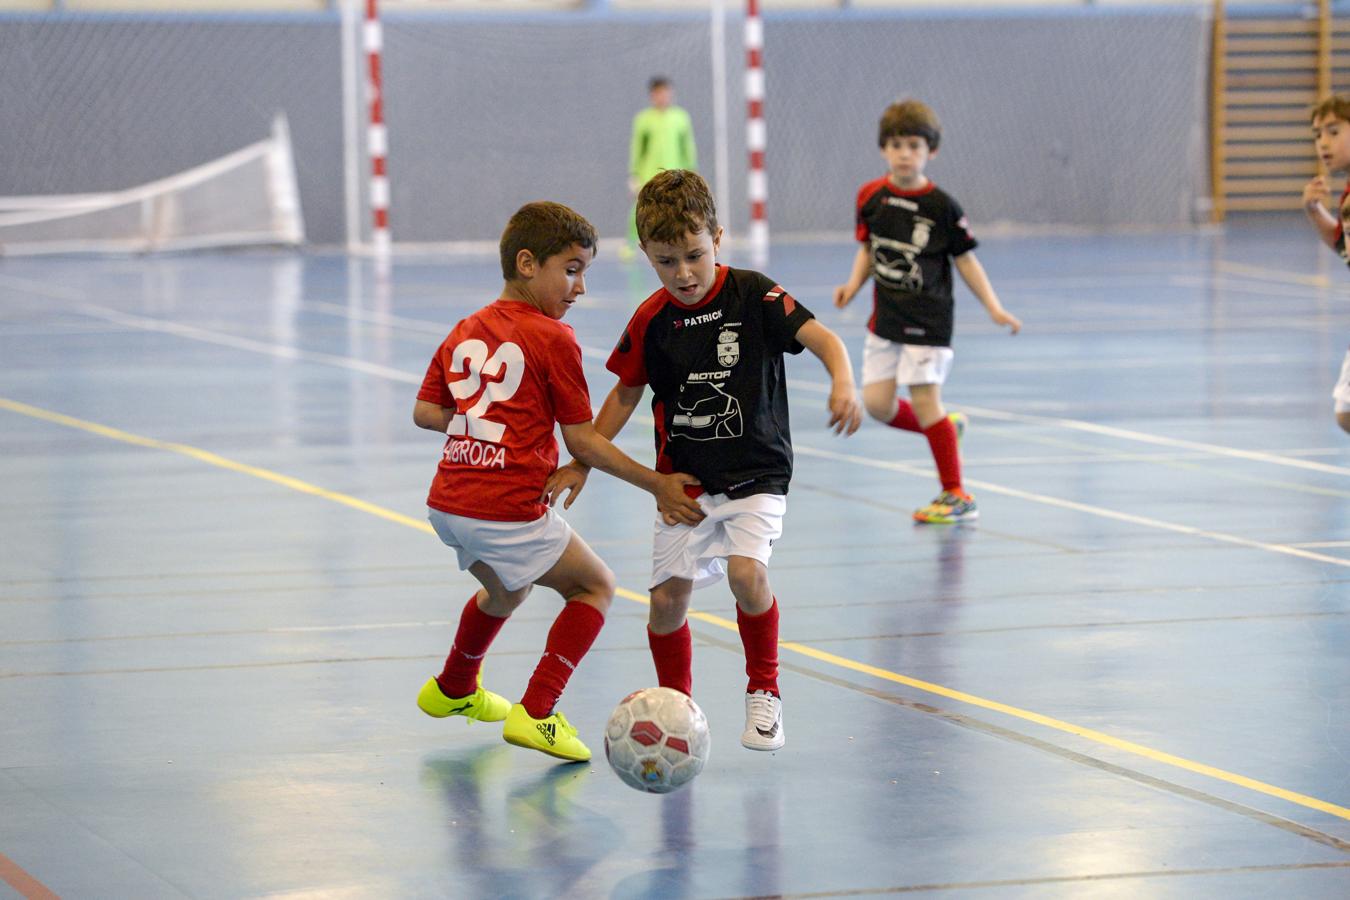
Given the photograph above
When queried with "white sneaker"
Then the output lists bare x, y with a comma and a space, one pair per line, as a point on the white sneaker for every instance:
763, 722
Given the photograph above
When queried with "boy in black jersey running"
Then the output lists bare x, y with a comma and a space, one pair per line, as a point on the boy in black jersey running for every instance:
711, 345
911, 233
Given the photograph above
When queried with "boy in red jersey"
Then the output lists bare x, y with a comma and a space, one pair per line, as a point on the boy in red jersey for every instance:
711, 345
911, 233
1331, 137
495, 387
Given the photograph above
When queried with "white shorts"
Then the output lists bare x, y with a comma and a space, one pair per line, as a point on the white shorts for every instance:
1342, 390
906, 364
519, 552
744, 527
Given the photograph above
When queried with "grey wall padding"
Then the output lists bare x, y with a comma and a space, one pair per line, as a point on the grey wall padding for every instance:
1091, 119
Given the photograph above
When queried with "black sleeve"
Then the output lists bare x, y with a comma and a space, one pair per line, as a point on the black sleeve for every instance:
782, 314
962, 240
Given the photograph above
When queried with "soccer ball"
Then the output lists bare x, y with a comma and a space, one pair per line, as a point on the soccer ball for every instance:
657, 740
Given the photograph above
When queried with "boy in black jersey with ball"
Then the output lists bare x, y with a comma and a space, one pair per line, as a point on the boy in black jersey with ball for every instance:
711, 345
911, 233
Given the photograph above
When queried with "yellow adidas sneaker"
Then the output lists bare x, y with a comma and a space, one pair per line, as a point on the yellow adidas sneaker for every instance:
482, 705
553, 735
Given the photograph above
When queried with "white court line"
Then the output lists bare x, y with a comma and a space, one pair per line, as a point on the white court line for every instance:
420, 326
1277, 275
293, 353
285, 352
281, 351
1142, 437
1098, 511
1160, 440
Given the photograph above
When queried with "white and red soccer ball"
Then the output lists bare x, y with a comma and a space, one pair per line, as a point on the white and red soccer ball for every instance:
657, 740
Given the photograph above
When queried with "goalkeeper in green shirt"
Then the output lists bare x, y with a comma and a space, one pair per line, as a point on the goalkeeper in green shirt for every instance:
663, 138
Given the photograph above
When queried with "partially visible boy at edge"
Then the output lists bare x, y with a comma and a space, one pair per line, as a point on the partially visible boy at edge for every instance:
495, 388
1331, 138
710, 343
911, 233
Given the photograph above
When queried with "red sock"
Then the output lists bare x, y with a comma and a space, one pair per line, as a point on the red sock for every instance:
905, 418
946, 453
476, 632
673, 654
571, 636
759, 636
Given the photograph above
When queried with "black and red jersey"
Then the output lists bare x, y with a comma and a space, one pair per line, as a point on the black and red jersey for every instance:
913, 236
719, 389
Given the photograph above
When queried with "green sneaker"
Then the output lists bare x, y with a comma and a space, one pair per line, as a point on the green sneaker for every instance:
482, 705
553, 735
948, 508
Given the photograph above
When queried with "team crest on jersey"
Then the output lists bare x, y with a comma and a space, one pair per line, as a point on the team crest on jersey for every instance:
728, 348
923, 228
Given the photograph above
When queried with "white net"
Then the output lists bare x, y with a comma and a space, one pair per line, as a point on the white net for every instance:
248, 197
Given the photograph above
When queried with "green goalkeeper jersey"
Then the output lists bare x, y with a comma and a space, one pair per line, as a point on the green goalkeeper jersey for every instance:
662, 139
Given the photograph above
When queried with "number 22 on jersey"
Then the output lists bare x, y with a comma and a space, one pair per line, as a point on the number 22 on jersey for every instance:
497, 377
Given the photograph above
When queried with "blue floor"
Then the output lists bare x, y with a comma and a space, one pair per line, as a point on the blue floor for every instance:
218, 597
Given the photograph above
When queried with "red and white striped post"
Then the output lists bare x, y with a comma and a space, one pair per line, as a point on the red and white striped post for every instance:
755, 134
377, 136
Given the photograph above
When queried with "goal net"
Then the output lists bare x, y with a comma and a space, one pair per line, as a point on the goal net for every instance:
245, 198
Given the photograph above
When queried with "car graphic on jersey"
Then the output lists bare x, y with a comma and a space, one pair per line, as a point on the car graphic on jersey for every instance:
896, 265
704, 412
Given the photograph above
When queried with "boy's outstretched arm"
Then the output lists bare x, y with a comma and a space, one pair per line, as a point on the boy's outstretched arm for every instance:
618, 409
972, 273
432, 416
845, 412
857, 277
1316, 196
614, 414
593, 449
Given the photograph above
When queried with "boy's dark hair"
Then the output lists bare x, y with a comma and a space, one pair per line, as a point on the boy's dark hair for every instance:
658, 81
674, 203
910, 118
545, 229
1337, 106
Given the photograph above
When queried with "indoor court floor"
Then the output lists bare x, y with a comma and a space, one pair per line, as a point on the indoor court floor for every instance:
219, 596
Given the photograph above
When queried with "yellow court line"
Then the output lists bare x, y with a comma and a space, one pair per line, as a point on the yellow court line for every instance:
844, 662
213, 459
802, 649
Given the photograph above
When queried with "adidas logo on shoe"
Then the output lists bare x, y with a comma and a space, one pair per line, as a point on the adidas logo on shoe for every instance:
553, 734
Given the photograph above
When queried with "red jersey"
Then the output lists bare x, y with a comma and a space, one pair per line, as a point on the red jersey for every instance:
510, 372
